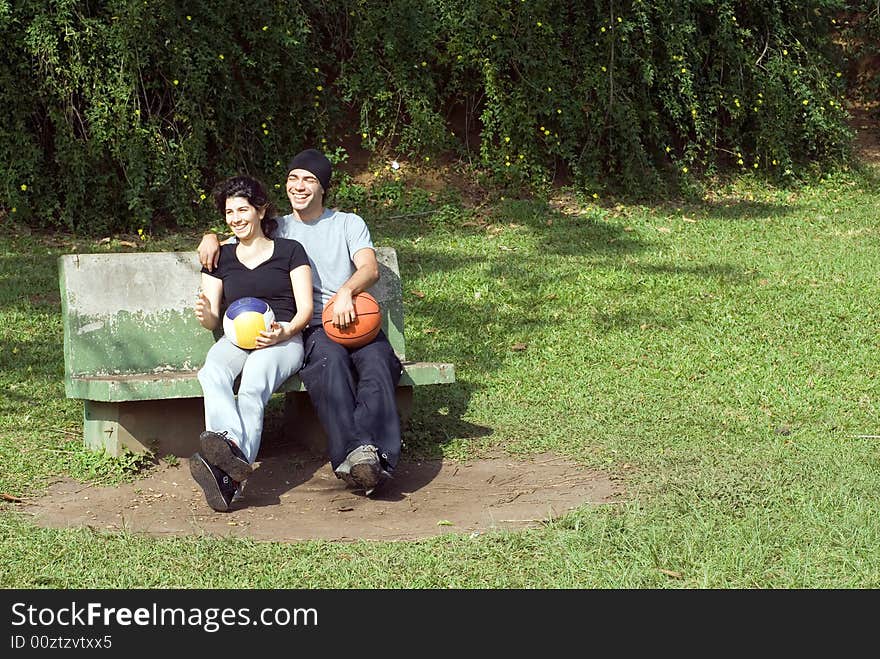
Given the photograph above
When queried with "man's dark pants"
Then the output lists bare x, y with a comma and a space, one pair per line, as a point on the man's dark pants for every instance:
353, 391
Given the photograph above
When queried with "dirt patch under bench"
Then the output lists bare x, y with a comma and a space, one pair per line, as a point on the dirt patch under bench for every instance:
295, 496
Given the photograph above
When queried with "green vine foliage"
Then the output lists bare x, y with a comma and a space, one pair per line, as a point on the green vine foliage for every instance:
859, 38
121, 114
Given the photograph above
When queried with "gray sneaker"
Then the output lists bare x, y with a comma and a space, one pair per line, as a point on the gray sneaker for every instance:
362, 469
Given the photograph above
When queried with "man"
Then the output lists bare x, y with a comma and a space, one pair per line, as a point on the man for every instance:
353, 390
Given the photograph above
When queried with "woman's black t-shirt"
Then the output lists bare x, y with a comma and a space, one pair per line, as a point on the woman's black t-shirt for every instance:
269, 281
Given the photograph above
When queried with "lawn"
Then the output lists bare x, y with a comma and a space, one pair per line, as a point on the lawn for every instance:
719, 357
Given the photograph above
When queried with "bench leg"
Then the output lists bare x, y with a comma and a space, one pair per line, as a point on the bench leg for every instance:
162, 427
301, 423
404, 396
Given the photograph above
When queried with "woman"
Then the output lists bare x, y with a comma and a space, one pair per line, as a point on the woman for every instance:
276, 271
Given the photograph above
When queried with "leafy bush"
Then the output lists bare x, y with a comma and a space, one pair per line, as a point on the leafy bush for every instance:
120, 115
859, 38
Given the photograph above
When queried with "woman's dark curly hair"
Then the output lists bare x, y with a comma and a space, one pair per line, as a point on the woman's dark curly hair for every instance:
251, 189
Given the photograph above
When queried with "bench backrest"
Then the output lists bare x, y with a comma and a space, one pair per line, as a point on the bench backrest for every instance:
133, 312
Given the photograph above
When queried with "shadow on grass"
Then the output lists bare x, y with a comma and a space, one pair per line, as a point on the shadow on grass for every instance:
517, 292
743, 209
437, 420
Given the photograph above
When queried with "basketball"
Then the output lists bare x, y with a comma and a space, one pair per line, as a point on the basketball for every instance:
365, 327
245, 319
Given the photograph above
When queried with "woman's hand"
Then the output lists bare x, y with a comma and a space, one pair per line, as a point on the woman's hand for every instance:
275, 334
203, 309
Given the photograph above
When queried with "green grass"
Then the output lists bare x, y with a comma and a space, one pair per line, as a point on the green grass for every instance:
718, 357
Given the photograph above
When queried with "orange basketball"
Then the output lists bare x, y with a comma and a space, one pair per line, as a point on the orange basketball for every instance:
365, 327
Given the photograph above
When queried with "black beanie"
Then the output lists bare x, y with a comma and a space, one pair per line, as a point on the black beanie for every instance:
315, 162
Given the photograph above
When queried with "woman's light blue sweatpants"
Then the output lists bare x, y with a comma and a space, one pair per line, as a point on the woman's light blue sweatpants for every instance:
262, 371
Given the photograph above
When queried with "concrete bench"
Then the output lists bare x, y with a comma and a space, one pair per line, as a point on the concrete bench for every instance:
133, 347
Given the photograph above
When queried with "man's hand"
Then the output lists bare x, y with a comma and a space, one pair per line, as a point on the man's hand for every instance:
209, 251
343, 308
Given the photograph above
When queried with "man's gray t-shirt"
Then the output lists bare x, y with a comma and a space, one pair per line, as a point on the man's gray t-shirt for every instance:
331, 241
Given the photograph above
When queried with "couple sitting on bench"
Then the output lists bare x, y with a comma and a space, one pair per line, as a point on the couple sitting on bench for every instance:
296, 263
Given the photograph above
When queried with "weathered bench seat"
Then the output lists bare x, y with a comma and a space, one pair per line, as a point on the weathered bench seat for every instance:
133, 347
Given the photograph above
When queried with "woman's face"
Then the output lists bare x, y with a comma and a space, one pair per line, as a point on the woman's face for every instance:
243, 218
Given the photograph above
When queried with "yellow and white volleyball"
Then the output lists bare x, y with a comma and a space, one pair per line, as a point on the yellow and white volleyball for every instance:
245, 319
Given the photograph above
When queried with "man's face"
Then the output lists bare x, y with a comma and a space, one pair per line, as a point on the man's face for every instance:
304, 190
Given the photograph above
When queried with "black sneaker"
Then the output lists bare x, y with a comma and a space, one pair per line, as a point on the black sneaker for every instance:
222, 452
218, 486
